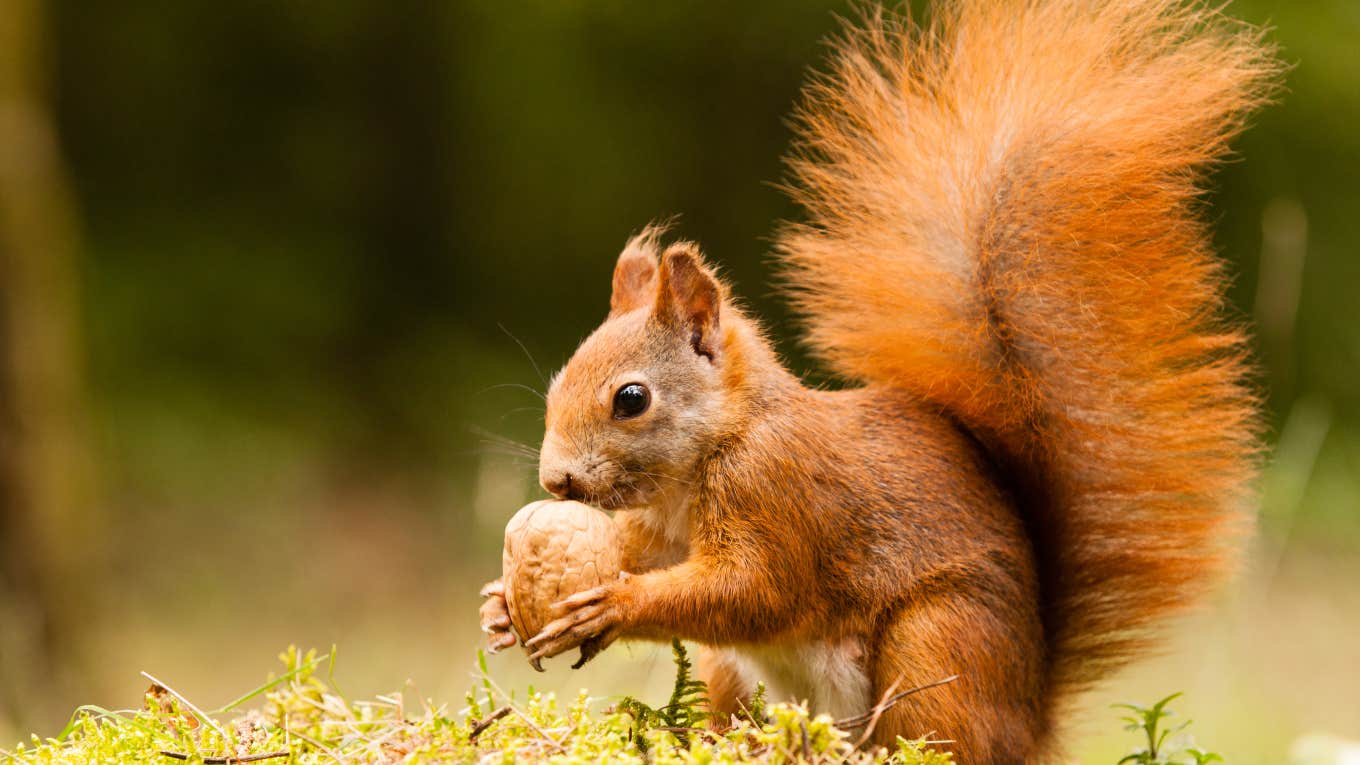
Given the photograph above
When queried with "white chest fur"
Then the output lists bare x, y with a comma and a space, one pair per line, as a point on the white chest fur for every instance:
830, 676
667, 531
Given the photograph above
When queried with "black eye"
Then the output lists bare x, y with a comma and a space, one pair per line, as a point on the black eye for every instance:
631, 400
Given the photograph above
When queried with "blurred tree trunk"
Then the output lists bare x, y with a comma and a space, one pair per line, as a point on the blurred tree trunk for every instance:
46, 521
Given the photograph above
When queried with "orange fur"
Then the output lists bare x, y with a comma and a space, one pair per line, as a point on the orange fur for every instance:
1004, 219
1052, 437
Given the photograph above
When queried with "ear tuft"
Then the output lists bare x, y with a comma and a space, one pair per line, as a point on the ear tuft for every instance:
690, 297
635, 275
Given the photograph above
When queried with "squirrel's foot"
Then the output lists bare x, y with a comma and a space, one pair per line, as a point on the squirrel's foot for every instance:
590, 620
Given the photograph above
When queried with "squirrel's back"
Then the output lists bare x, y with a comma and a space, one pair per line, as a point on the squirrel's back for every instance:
1004, 217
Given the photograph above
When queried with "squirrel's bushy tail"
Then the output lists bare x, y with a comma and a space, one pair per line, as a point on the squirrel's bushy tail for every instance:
1005, 217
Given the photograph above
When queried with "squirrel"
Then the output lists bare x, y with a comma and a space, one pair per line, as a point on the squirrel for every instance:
1049, 431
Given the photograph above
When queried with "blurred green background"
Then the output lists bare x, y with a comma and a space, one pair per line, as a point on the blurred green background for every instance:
271, 271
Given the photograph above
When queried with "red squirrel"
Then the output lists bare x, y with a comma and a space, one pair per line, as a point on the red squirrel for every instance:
1048, 436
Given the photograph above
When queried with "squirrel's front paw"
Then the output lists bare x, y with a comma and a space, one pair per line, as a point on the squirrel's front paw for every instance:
495, 617
590, 620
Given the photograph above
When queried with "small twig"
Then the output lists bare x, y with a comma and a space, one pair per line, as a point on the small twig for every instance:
320, 746
481, 727
227, 760
202, 716
540, 731
878, 712
807, 750
746, 712
491, 684
888, 703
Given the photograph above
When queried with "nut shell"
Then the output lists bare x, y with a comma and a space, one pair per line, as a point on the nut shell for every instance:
554, 549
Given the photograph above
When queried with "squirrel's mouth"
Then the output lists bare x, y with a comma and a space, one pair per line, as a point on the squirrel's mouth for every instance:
622, 494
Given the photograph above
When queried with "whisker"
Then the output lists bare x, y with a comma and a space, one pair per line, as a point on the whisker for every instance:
519, 462
487, 449
654, 476
504, 442
528, 355
520, 386
518, 457
504, 448
655, 484
519, 409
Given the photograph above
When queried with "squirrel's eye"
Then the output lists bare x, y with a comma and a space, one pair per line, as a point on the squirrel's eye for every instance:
631, 400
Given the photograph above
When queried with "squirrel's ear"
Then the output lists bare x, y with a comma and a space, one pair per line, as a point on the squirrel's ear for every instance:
634, 280
689, 297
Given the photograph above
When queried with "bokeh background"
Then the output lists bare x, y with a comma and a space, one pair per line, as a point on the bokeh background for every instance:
276, 278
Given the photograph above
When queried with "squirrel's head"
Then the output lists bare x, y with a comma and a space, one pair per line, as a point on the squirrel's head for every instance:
641, 401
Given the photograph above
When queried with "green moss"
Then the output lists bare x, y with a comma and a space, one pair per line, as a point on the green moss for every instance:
301, 719
297, 718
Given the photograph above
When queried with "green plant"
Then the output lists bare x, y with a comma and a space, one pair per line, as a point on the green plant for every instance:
758, 710
1160, 748
684, 711
919, 752
297, 718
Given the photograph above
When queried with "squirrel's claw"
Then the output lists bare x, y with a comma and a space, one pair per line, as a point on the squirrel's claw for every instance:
495, 618
498, 641
590, 621
592, 647
589, 650
583, 598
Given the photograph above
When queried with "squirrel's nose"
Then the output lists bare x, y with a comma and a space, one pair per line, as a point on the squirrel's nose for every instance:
562, 486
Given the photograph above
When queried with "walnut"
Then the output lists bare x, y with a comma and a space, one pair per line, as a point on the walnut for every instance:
553, 550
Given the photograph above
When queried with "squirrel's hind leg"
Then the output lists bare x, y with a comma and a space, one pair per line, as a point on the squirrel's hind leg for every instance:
729, 685
990, 712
